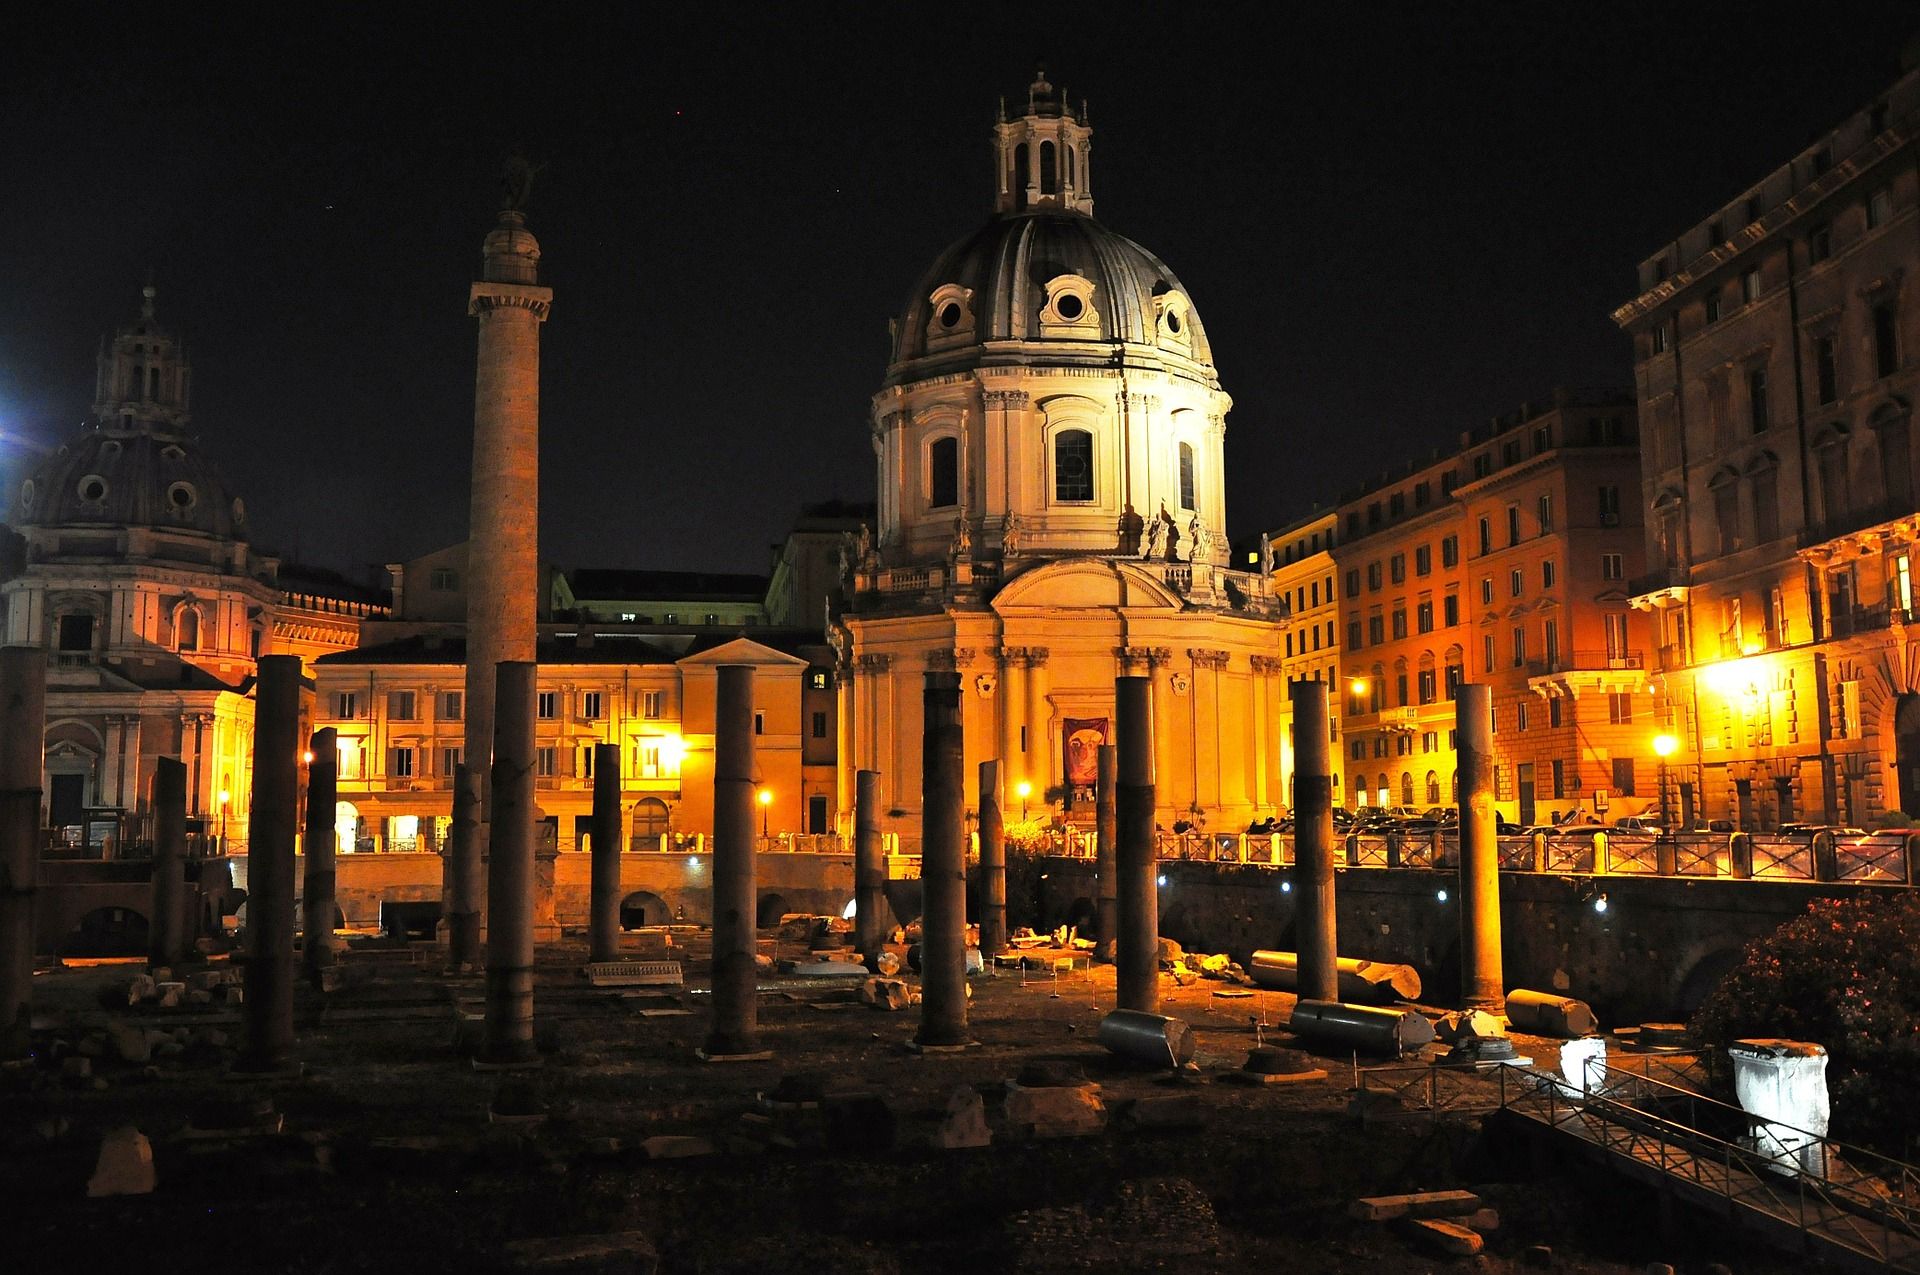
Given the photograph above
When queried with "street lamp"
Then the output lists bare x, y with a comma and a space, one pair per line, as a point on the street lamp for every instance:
225, 797
1023, 790
1663, 748
766, 800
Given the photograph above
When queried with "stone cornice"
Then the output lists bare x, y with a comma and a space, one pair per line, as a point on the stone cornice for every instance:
487, 297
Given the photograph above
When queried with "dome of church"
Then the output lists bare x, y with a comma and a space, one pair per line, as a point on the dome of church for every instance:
114, 477
993, 286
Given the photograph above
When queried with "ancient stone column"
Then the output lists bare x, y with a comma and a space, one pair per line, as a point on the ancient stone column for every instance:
993, 864
869, 866
603, 926
1314, 925
168, 945
271, 832
1039, 727
1137, 904
510, 850
503, 575
23, 732
1482, 983
1105, 831
318, 895
943, 867
735, 987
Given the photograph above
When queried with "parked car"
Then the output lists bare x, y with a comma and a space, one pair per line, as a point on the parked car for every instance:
1639, 824
1811, 829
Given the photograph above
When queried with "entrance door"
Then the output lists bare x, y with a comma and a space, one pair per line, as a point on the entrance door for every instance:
1743, 788
1524, 779
1906, 751
817, 815
67, 800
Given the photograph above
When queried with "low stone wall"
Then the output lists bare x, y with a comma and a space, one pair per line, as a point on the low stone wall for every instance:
1654, 952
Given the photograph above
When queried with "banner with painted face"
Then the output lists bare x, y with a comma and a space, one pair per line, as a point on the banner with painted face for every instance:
1084, 737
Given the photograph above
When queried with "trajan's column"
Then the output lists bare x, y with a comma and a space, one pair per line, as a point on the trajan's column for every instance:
502, 545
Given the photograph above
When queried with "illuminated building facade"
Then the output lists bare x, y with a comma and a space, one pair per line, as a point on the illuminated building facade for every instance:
135, 574
1049, 444
1305, 580
1505, 563
1774, 349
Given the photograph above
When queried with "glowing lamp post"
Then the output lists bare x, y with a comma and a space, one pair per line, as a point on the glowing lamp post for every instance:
1663, 748
1023, 790
765, 797
225, 798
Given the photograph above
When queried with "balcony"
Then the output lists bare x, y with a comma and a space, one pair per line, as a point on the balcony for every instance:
1607, 672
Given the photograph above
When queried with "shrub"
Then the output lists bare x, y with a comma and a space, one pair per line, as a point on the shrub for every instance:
1845, 975
1894, 819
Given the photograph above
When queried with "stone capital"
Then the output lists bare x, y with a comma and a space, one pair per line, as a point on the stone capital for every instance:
871, 663
487, 297
1005, 400
1265, 664
1204, 657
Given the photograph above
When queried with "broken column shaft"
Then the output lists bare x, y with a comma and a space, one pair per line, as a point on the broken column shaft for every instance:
509, 1035
735, 1028
603, 921
23, 732
1313, 843
943, 868
168, 945
869, 866
1105, 833
1137, 901
272, 824
993, 864
1482, 983
318, 893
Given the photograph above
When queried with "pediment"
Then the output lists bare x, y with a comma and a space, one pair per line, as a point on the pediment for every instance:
1086, 585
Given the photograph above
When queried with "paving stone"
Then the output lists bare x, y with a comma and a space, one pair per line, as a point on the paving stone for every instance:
615, 1253
1054, 1111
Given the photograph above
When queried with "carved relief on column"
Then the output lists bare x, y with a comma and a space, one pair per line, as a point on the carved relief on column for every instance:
1265, 665
1203, 657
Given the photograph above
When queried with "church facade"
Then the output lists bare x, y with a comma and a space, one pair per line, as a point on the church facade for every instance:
1049, 444
134, 572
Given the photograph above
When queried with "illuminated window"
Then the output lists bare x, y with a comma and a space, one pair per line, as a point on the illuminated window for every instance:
451, 704
400, 706
401, 767
1186, 478
590, 706
546, 762
547, 705
652, 704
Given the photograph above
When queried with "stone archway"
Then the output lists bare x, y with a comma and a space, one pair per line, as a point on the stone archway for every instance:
107, 931
643, 908
1906, 750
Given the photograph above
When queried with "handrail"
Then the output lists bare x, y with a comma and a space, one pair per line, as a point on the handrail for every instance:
1773, 1169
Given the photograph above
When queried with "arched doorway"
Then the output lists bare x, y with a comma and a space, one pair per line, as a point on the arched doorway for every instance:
1906, 750
649, 821
346, 827
772, 908
642, 909
107, 932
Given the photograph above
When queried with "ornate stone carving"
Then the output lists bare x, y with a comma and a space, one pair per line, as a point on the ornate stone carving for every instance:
985, 685
1005, 400
1037, 656
1204, 657
1265, 664
963, 656
874, 663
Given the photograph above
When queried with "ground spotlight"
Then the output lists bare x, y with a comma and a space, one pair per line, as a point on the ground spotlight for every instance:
1441, 895
1162, 878
1600, 903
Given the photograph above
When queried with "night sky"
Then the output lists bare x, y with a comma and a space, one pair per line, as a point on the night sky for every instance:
1396, 222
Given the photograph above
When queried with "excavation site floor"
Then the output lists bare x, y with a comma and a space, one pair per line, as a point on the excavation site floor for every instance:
622, 1151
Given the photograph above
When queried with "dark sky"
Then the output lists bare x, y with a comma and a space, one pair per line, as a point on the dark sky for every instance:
1396, 222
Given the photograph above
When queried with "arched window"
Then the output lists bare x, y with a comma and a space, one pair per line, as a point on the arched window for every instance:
1022, 175
186, 629
1070, 178
1666, 528
649, 817
1049, 172
943, 473
1433, 788
1186, 477
1406, 787
1073, 465
1896, 457
1385, 791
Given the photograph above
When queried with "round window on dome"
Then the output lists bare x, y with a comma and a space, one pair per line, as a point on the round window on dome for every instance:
950, 315
173, 451
26, 496
1173, 322
182, 496
110, 449
1070, 307
239, 510
93, 487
